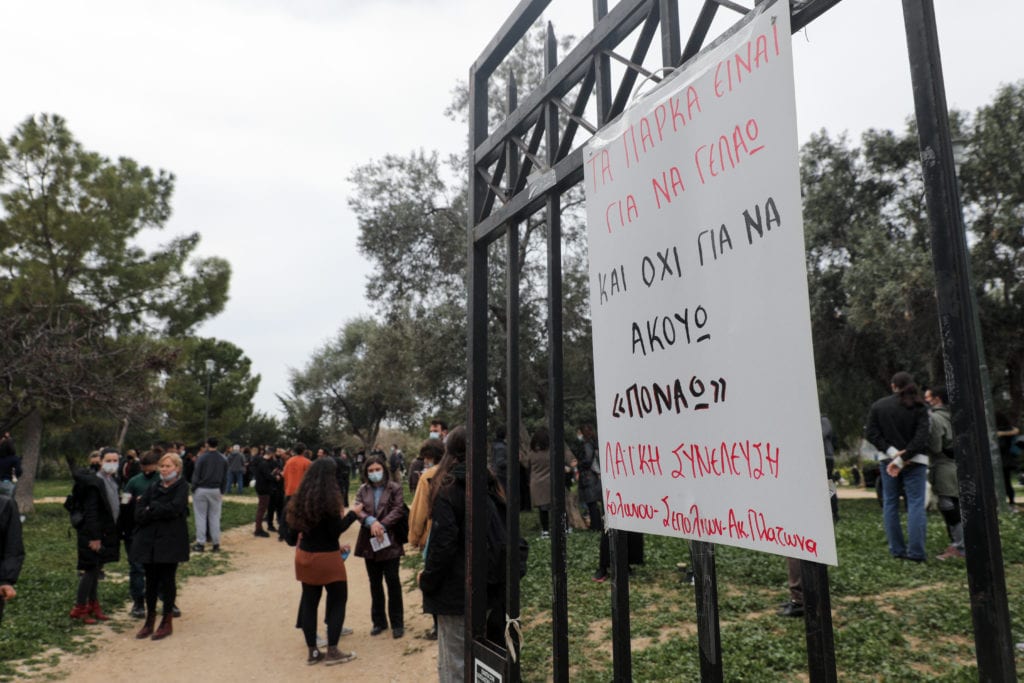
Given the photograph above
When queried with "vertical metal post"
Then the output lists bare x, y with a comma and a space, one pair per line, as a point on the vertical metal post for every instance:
670, 40
622, 656
821, 648
511, 482
476, 423
560, 607
705, 585
978, 498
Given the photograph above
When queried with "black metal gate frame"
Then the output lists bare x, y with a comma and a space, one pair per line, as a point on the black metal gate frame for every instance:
503, 193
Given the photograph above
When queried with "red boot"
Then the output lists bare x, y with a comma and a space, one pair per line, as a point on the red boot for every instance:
97, 611
147, 629
165, 628
84, 613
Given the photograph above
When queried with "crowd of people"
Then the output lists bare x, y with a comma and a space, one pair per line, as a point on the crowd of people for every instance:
143, 501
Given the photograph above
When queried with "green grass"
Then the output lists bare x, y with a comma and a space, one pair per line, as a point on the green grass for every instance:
37, 622
893, 621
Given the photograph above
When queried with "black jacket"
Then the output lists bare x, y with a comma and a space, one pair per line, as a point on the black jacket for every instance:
12, 551
890, 423
443, 581
265, 472
161, 519
99, 523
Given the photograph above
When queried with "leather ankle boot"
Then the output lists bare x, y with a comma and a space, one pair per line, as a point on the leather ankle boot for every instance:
165, 628
97, 611
83, 613
147, 628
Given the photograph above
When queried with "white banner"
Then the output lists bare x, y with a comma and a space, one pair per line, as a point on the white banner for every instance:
706, 395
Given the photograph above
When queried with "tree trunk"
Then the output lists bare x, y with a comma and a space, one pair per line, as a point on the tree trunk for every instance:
29, 461
121, 435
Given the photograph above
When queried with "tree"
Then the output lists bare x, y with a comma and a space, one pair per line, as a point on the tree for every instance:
406, 201
993, 185
350, 383
75, 286
221, 397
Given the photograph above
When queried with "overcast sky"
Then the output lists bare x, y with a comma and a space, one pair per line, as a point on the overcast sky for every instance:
262, 108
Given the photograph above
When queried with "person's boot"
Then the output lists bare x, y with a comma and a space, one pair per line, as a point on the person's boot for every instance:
83, 613
97, 611
147, 628
165, 628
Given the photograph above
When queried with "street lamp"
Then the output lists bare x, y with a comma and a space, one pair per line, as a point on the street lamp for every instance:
206, 415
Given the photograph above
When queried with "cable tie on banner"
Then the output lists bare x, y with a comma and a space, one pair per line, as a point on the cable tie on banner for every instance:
510, 644
662, 69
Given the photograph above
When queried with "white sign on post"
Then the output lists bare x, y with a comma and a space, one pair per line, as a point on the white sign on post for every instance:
706, 395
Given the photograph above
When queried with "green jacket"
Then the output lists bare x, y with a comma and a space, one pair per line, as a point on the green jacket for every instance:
940, 447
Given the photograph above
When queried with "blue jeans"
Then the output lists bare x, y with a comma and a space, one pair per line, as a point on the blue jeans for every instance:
238, 477
914, 477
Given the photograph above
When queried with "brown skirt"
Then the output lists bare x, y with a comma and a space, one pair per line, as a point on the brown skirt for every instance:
319, 569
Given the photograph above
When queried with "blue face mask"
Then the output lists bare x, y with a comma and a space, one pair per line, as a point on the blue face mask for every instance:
435, 435
376, 477
169, 477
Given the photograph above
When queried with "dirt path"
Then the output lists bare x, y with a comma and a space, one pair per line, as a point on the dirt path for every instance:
240, 626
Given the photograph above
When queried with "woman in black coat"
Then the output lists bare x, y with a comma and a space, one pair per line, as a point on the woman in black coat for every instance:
160, 541
98, 539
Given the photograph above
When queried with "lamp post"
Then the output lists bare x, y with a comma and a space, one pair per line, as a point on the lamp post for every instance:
206, 413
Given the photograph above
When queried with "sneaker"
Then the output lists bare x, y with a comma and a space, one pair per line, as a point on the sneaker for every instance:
175, 612
261, 534
397, 633
791, 609
321, 641
952, 552
376, 630
346, 631
315, 656
544, 535
271, 527
336, 656
138, 610
431, 634
215, 548
599, 576
198, 548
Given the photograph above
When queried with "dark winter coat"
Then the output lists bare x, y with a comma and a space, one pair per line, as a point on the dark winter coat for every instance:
12, 550
98, 523
161, 525
587, 461
265, 475
443, 581
388, 512
890, 423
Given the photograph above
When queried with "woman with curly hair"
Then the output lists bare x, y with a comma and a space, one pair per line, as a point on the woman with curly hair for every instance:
315, 514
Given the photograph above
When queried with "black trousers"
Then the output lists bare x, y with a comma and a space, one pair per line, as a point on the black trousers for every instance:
337, 596
385, 571
160, 582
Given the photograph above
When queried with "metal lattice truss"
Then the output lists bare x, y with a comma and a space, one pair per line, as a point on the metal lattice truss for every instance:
510, 172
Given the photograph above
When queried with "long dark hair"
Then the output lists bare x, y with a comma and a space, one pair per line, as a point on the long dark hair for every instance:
908, 392
455, 455
372, 460
318, 496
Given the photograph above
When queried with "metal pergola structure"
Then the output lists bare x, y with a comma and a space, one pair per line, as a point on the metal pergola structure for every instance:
509, 182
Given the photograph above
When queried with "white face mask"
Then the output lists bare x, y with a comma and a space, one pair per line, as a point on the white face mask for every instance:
435, 435
110, 467
171, 476
375, 477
